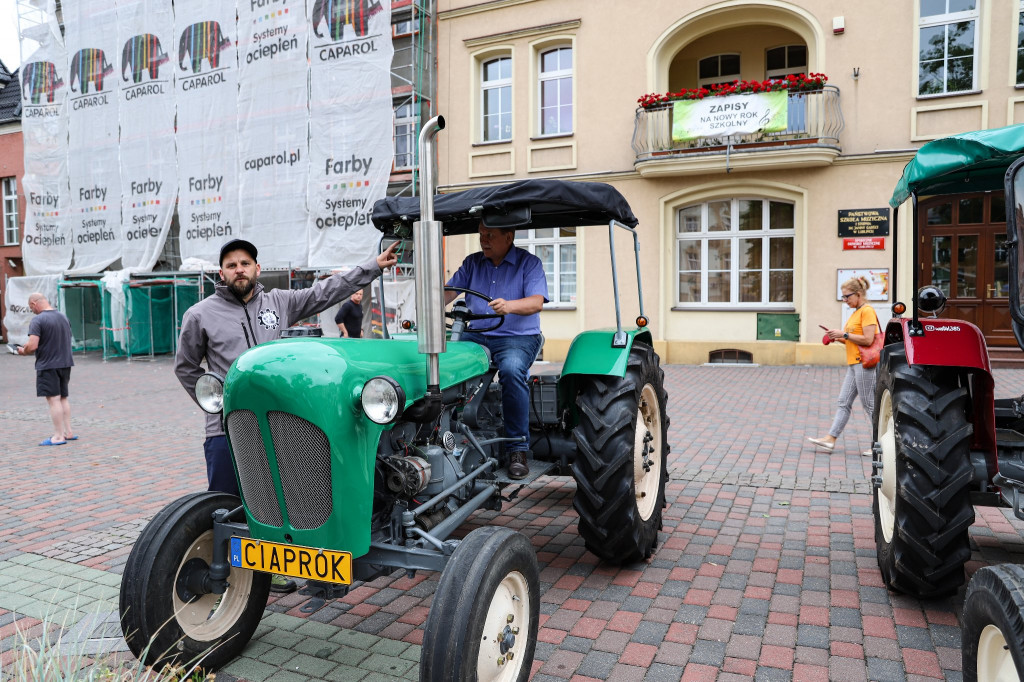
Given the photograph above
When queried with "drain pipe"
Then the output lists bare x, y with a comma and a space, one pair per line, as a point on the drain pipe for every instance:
426, 232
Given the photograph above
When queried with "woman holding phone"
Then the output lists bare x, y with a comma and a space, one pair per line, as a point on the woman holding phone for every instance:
859, 331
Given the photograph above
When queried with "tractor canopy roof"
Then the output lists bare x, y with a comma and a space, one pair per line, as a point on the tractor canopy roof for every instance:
551, 203
968, 162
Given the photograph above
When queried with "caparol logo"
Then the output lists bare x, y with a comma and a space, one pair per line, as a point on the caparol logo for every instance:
355, 13
39, 79
202, 40
142, 53
89, 65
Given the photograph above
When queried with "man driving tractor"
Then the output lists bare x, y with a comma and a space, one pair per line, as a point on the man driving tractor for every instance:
514, 279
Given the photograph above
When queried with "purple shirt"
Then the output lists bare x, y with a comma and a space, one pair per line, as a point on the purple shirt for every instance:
519, 275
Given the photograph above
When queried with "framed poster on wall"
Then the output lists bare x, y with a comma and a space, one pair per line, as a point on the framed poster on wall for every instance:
878, 278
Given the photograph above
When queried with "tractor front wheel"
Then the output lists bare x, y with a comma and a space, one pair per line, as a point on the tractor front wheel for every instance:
622, 459
163, 624
484, 617
921, 504
992, 626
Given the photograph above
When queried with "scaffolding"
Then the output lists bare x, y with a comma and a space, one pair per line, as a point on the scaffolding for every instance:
413, 78
156, 301
147, 321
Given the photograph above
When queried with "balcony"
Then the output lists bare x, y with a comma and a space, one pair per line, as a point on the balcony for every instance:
810, 139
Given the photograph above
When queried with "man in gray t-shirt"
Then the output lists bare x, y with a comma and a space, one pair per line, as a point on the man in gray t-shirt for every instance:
49, 337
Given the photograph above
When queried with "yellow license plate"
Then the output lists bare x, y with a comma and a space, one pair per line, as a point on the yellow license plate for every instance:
292, 560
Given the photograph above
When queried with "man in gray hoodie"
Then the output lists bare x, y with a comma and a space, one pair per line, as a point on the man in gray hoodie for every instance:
240, 315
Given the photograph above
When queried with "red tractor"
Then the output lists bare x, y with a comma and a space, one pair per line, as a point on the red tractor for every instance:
942, 442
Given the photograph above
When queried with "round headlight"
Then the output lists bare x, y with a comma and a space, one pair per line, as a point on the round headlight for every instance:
383, 400
210, 392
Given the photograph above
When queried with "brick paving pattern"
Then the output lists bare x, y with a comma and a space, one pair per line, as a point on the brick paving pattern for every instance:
765, 570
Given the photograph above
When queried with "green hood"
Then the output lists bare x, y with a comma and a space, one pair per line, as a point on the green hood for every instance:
327, 445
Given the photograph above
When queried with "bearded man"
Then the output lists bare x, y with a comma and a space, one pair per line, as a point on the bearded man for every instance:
242, 314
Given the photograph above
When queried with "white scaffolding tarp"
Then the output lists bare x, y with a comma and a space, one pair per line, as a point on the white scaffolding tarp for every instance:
47, 246
149, 177
93, 168
350, 126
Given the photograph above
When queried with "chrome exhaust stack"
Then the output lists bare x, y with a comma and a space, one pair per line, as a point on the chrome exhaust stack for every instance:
429, 273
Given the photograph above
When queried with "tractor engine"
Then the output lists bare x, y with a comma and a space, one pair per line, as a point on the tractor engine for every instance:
416, 462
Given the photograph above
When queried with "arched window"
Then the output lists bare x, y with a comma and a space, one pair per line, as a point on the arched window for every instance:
735, 253
496, 99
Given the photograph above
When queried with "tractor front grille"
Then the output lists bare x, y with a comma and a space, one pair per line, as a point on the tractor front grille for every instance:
304, 462
253, 467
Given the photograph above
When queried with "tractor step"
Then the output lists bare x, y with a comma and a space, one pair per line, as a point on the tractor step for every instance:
537, 469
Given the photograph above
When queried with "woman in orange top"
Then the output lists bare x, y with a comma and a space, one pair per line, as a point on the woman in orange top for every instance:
860, 331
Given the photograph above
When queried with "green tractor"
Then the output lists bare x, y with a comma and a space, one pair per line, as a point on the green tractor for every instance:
360, 457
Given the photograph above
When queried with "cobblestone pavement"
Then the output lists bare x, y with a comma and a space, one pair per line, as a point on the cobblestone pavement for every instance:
766, 567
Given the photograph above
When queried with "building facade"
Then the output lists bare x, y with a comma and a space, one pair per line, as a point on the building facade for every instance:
12, 169
744, 238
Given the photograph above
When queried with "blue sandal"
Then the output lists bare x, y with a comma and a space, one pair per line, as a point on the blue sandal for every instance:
49, 441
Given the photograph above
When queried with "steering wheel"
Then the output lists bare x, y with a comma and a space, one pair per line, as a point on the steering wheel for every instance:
461, 315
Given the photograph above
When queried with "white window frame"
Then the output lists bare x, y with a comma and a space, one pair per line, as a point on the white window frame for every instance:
947, 19
496, 84
780, 73
9, 190
720, 78
1020, 46
555, 75
402, 28
529, 241
408, 123
797, 108
734, 235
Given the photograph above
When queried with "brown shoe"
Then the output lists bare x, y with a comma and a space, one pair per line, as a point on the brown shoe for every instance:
517, 466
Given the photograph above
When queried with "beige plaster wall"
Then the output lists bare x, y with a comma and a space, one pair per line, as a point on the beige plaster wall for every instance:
621, 53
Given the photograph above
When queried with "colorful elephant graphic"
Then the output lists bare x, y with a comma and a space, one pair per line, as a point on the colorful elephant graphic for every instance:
338, 13
140, 54
37, 79
88, 65
200, 41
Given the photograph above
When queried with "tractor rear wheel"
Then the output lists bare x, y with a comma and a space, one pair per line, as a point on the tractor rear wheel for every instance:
161, 624
921, 504
993, 625
622, 461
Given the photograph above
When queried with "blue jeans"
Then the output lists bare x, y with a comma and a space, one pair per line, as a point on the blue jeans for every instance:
513, 355
220, 472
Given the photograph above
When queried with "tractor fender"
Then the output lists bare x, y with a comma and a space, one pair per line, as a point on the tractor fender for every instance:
945, 343
960, 345
591, 353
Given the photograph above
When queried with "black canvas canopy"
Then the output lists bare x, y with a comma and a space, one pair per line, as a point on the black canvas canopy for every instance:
553, 203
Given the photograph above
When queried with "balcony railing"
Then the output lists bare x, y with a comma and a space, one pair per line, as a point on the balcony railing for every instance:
815, 120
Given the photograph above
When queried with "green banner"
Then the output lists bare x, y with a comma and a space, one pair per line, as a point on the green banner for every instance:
732, 115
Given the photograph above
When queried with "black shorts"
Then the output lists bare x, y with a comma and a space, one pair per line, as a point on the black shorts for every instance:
53, 382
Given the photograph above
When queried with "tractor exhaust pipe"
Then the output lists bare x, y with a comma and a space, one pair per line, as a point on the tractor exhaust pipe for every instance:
429, 274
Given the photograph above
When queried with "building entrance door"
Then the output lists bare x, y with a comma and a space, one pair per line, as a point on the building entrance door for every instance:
963, 252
